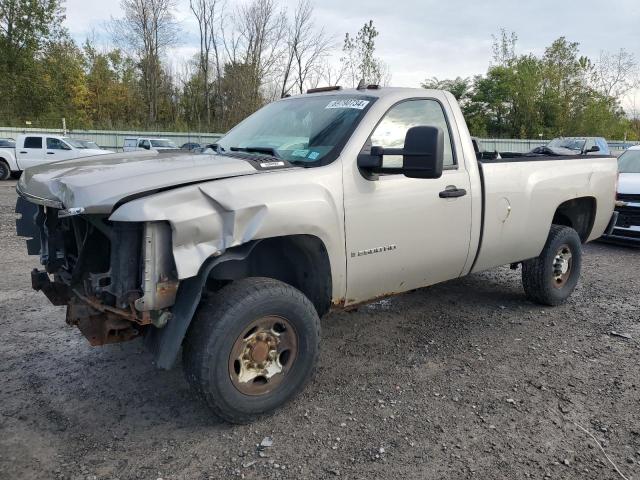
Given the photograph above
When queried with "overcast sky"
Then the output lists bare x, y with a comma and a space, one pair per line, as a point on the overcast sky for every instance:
425, 38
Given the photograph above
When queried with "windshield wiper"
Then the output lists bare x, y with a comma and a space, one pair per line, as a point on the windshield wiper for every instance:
268, 150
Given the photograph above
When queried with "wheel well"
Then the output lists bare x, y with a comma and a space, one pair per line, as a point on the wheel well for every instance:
301, 261
578, 213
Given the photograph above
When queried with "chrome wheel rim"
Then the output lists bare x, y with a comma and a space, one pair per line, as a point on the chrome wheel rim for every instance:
262, 355
562, 264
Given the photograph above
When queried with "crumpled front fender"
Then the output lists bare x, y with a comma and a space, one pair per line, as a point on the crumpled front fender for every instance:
210, 217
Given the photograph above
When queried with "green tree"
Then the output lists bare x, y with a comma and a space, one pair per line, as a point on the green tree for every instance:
63, 77
26, 28
525, 96
459, 87
113, 89
359, 60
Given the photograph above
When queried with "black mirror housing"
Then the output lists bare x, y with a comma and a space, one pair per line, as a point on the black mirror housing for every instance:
595, 148
422, 155
423, 152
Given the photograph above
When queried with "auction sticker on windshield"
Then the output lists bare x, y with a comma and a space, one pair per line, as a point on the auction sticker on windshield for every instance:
348, 103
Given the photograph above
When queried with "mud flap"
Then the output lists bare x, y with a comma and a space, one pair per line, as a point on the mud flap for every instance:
165, 342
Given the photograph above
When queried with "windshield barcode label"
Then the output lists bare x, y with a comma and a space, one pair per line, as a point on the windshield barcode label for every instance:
348, 103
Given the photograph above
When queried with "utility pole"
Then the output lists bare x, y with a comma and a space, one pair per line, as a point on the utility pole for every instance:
64, 126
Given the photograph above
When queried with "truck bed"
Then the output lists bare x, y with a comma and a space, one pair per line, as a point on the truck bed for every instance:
520, 196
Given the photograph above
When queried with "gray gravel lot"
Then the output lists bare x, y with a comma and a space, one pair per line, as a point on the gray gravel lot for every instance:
466, 379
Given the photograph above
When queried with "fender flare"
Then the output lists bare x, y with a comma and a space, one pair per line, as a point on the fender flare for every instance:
11, 162
164, 343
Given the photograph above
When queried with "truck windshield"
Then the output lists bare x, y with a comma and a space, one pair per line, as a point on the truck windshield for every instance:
569, 143
629, 162
306, 130
74, 143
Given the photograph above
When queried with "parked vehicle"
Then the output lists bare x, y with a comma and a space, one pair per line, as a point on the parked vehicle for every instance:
319, 201
7, 143
132, 144
89, 144
627, 210
35, 149
190, 146
571, 146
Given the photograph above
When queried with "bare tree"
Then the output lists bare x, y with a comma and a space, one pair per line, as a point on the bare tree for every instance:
307, 47
208, 15
262, 29
147, 29
503, 47
615, 74
329, 73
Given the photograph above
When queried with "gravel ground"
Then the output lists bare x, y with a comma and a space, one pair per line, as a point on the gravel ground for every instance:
466, 379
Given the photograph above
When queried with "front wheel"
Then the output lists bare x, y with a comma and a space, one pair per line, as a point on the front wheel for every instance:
550, 278
252, 348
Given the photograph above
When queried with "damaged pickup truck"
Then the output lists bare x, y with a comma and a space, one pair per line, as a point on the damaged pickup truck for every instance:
324, 200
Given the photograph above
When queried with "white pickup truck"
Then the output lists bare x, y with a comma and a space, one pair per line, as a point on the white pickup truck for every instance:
35, 149
132, 144
320, 201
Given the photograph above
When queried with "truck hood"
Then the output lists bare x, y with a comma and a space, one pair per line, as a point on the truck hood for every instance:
97, 184
88, 152
629, 183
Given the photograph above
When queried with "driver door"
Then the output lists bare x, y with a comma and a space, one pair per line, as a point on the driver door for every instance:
58, 150
400, 233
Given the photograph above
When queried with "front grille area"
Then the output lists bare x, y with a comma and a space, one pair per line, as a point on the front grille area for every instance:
628, 217
626, 233
628, 197
85, 253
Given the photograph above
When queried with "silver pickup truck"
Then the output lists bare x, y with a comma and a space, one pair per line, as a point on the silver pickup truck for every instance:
324, 200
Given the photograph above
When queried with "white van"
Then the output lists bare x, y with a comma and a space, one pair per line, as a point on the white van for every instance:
138, 143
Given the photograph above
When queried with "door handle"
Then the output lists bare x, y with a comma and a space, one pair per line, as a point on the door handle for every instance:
51, 153
22, 151
453, 192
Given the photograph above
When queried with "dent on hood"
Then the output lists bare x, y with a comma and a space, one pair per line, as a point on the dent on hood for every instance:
97, 184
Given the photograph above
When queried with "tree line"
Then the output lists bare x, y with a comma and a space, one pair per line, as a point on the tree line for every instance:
257, 51
247, 56
560, 93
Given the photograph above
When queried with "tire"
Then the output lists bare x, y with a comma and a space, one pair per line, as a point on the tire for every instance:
5, 172
235, 351
550, 278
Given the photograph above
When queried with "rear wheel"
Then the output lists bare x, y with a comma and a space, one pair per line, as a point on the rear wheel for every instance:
251, 348
550, 278
5, 172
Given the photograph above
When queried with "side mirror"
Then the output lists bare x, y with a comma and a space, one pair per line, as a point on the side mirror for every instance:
146, 146
595, 148
422, 155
